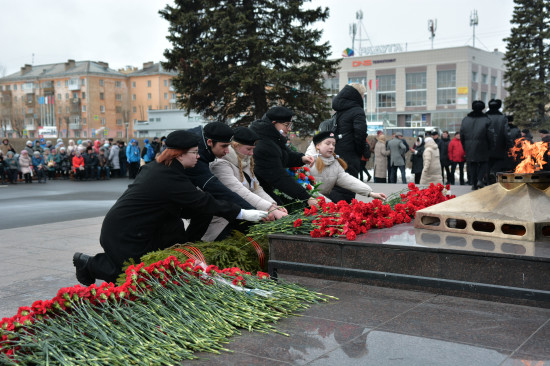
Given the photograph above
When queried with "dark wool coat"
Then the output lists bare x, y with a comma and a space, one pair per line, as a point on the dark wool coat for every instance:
416, 159
203, 178
272, 157
444, 151
503, 142
477, 136
147, 216
352, 125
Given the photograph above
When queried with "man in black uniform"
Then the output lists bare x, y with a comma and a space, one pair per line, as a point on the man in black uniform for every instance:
498, 155
147, 217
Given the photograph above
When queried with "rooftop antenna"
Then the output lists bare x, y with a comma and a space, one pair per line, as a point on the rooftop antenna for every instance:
432, 27
359, 18
474, 20
352, 33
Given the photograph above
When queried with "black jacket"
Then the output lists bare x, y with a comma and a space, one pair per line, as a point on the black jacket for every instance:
147, 216
352, 125
443, 145
503, 142
477, 136
272, 157
515, 133
203, 178
417, 160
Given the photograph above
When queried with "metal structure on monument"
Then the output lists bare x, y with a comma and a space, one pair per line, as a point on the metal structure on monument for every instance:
516, 207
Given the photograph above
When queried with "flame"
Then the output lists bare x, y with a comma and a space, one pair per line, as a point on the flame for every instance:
532, 155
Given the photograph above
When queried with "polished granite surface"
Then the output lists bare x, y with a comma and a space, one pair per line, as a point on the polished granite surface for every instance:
380, 326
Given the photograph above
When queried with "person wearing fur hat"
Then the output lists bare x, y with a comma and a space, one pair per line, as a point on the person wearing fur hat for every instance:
351, 131
431, 170
147, 217
236, 171
381, 154
498, 155
272, 156
478, 138
330, 170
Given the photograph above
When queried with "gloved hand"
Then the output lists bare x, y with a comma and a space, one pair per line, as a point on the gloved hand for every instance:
253, 215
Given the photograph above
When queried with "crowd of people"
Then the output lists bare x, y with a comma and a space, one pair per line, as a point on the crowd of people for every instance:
40, 160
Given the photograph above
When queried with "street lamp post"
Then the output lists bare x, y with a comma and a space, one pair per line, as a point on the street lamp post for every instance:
126, 125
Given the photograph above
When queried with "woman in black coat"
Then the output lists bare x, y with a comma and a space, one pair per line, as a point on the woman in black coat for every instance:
416, 159
147, 217
272, 156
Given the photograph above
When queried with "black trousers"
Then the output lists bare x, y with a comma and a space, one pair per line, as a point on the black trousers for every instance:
460, 171
133, 170
478, 171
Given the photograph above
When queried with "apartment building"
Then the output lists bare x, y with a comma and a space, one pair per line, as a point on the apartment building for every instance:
82, 99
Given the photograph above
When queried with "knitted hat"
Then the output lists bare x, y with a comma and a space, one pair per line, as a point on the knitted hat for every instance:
182, 139
245, 136
216, 131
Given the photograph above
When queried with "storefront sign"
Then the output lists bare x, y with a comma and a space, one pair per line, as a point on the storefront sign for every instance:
462, 90
369, 62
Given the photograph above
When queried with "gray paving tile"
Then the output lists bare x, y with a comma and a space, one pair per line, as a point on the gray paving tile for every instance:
538, 345
392, 349
232, 359
481, 323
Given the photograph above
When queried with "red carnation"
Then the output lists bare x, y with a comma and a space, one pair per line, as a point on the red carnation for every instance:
298, 223
351, 235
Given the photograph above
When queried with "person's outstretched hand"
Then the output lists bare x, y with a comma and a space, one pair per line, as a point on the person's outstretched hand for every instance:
380, 196
253, 215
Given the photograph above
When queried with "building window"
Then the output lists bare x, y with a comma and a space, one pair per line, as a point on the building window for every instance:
493, 80
103, 122
100, 82
76, 133
134, 109
66, 82
118, 96
84, 120
14, 86
149, 108
66, 96
118, 109
83, 94
58, 83
165, 82
474, 76
446, 87
133, 84
332, 85
102, 108
75, 95
133, 97
484, 78
165, 96
148, 83
119, 122
59, 96
101, 96
84, 108
493, 96
59, 109
149, 96
474, 94
67, 110
119, 134
484, 97
386, 91
82, 82
118, 84
15, 98
415, 89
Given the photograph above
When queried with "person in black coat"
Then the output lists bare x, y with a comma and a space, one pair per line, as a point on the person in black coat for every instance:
147, 217
272, 156
416, 159
514, 135
351, 132
503, 142
477, 138
545, 137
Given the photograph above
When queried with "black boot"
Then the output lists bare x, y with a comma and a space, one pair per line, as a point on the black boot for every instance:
83, 275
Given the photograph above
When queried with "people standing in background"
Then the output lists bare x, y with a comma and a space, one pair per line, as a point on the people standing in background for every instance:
416, 159
457, 156
477, 138
122, 158
444, 157
380, 159
503, 142
133, 158
103, 164
25, 166
397, 150
431, 171
364, 160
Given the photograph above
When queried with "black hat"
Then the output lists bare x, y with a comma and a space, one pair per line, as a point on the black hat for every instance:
279, 114
218, 131
510, 118
323, 136
181, 139
525, 130
495, 104
245, 136
478, 105
544, 132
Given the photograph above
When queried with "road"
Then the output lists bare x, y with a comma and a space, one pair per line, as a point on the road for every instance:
32, 204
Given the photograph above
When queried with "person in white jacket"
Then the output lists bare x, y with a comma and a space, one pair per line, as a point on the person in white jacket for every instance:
329, 169
236, 171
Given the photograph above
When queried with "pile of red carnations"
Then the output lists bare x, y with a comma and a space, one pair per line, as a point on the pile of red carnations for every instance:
342, 219
165, 311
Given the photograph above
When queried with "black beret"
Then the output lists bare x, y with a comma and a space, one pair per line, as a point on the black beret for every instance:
478, 105
510, 118
544, 132
279, 114
218, 131
323, 136
525, 130
245, 136
495, 104
182, 139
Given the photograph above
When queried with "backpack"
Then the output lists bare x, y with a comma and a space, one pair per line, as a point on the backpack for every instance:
367, 152
150, 153
330, 124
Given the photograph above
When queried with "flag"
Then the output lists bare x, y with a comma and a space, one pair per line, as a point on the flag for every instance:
376, 84
41, 100
370, 84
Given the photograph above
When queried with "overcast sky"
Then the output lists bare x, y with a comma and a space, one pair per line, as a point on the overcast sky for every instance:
131, 32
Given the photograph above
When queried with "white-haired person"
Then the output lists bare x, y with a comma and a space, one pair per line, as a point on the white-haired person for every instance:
236, 171
330, 170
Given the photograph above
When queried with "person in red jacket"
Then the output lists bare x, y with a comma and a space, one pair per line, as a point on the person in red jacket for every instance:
78, 165
456, 156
